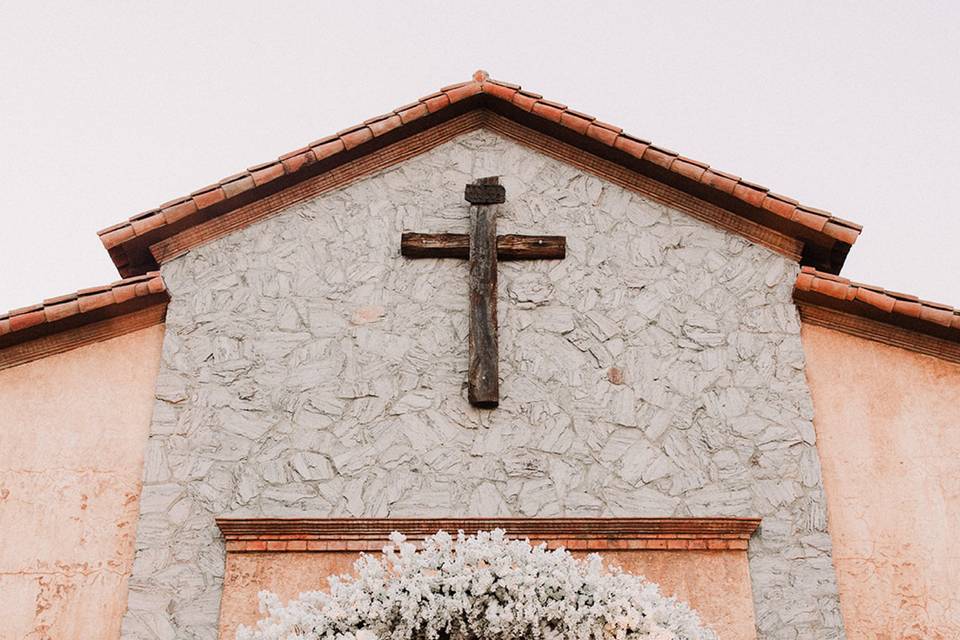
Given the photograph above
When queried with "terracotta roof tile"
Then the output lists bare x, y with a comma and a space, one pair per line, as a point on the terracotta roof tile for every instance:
718, 180
235, 185
504, 83
876, 303
600, 131
456, 85
840, 231
688, 168
23, 321
209, 197
464, 90
661, 157
356, 137
808, 218
81, 307
525, 100
435, 102
548, 110
385, 124
631, 145
820, 223
92, 290
412, 112
500, 90
578, 122
58, 299
22, 310
180, 210
265, 173
293, 162
327, 148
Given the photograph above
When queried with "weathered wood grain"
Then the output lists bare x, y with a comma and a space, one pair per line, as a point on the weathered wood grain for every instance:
488, 192
483, 382
435, 245
483, 248
457, 245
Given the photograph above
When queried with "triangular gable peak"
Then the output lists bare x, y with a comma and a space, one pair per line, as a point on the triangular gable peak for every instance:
812, 236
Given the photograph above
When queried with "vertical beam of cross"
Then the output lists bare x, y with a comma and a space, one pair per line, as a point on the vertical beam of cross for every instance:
483, 381
483, 248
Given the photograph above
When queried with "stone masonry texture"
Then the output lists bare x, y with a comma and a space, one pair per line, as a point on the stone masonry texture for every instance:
309, 370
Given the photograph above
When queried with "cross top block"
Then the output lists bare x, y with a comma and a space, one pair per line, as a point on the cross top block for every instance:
485, 191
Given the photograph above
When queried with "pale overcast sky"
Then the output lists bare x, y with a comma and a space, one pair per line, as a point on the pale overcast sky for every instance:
109, 109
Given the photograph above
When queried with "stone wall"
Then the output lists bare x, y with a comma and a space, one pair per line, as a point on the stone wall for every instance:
310, 370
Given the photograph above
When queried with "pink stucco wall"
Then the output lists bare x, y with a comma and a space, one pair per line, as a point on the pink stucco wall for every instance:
888, 429
72, 432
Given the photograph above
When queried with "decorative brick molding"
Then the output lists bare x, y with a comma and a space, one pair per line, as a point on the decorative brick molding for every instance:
244, 535
862, 327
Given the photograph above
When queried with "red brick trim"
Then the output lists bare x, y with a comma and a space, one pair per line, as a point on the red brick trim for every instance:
857, 325
245, 535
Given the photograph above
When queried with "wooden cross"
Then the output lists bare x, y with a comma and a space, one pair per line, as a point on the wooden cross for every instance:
483, 248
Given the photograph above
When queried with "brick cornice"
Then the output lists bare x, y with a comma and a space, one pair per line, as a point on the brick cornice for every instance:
884, 332
593, 534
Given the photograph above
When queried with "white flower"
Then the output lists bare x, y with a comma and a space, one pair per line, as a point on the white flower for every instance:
482, 587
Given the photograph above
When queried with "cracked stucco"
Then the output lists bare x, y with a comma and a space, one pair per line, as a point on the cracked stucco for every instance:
309, 370
889, 434
73, 427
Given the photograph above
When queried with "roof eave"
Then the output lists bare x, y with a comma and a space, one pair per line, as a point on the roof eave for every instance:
877, 304
826, 239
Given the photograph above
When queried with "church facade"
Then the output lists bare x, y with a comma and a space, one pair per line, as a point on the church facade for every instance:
621, 350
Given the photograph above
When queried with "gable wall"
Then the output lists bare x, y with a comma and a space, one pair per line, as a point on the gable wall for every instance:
309, 370
888, 427
73, 428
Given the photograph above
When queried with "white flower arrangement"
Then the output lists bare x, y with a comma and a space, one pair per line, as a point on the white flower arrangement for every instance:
479, 587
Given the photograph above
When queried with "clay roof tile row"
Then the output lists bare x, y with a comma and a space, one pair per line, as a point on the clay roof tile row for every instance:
880, 304
80, 303
754, 195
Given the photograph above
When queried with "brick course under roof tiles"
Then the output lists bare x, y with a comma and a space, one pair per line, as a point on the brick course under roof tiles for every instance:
880, 304
752, 195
